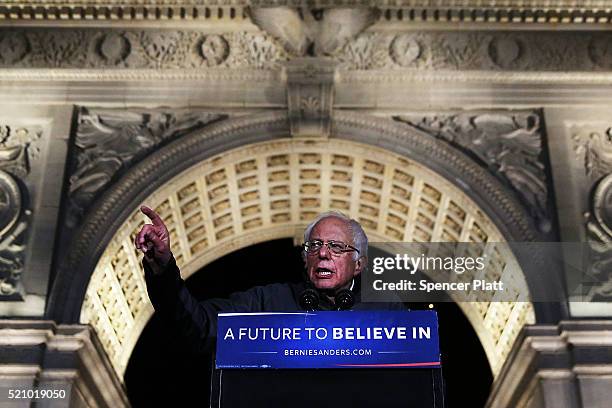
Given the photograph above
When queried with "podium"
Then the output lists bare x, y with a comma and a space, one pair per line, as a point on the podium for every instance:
354, 359
355, 388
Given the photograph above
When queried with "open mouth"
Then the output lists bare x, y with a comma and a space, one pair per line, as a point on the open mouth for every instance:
323, 273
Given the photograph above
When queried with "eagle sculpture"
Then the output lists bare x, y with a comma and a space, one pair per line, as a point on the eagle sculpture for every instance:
304, 31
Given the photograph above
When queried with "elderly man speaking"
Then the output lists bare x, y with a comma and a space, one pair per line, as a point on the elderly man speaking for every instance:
334, 252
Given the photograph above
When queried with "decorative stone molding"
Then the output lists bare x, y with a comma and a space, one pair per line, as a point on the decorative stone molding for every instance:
310, 96
40, 355
19, 146
489, 11
562, 366
150, 10
477, 50
507, 143
136, 49
380, 52
110, 140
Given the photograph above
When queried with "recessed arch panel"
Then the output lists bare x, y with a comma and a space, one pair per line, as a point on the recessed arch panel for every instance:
245, 181
272, 190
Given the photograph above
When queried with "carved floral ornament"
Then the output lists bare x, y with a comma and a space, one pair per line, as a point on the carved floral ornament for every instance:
602, 205
108, 141
592, 150
508, 143
477, 50
168, 49
354, 49
599, 235
18, 146
595, 152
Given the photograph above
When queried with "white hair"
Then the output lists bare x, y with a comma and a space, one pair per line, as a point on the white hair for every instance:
360, 239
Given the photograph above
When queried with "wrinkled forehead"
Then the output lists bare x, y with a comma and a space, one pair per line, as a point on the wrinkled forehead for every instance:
332, 228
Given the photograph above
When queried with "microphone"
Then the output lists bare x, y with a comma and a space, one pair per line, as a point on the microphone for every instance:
344, 299
309, 300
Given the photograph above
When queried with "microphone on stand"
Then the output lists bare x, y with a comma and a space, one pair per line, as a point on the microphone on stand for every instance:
344, 299
309, 299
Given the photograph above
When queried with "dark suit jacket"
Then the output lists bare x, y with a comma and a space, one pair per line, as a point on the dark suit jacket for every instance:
196, 321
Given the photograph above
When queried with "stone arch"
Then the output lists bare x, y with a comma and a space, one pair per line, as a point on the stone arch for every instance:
245, 181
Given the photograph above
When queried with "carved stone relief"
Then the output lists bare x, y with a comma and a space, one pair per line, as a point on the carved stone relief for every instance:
310, 93
507, 52
153, 49
602, 206
255, 50
18, 147
14, 46
367, 52
279, 40
600, 52
594, 150
599, 235
478, 50
314, 32
109, 140
508, 143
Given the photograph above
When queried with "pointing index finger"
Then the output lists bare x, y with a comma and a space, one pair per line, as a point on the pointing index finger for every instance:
153, 216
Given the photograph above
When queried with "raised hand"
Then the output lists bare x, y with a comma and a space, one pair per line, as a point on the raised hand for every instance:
154, 240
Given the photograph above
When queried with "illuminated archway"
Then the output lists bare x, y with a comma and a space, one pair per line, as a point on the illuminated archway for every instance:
266, 185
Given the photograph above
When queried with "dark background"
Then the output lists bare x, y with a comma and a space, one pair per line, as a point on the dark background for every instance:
160, 372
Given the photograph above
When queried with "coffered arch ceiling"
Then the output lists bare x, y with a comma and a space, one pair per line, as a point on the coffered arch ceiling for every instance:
244, 181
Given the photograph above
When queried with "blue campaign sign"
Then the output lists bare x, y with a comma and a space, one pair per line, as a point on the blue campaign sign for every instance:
345, 339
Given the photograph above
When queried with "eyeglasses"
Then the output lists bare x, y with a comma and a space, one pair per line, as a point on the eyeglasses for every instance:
335, 247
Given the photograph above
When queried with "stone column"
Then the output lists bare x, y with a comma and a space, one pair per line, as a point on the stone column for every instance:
563, 366
39, 357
